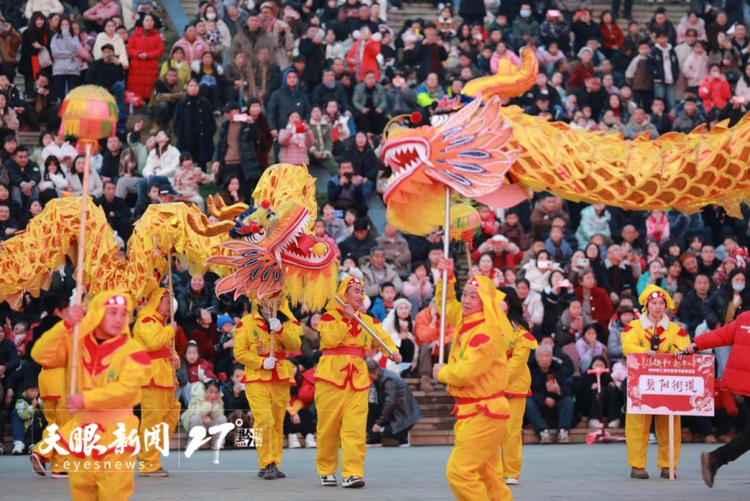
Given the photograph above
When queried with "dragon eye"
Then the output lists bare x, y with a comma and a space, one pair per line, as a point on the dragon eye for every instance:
254, 238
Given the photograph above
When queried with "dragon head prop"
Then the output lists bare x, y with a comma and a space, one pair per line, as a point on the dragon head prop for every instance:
467, 149
270, 244
467, 153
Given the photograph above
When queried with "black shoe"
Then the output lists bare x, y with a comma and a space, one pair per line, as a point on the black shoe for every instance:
708, 468
665, 473
272, 472
261, 472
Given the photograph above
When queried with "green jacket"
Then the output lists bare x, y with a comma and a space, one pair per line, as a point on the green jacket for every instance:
322, 137
360, 97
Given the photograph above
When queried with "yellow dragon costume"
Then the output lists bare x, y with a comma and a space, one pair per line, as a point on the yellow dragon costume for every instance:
496, 154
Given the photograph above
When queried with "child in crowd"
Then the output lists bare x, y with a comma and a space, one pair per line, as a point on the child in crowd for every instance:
385, 302
224, 349
657, 226
513, 230
236, 407
206, 409
27, 419
485, 267
298, 418
588, 346
418, 289
599, 404
349, 267
509, 274
197, 370
187, 181
21, 337
295, 140
625, 315
213, 38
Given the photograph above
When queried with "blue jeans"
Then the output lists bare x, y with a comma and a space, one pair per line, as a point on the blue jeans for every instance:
665, 92
143, 186
562, 413
368, 188
16, 427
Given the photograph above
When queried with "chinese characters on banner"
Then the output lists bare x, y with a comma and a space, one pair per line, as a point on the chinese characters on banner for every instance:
667, 385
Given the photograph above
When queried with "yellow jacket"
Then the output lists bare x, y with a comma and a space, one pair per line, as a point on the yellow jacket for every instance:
52, 382
252, 342
636, 337
338, 332
517, 350
110, 376
476, 373
150, 330
156, 337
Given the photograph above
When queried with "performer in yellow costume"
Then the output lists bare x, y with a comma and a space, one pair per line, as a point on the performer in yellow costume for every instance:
476, 375
268, 378
518, 346
159, 403
111, 370
342, 385
652, 333
51, 391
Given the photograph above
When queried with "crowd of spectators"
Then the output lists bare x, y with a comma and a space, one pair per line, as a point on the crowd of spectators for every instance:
249, 84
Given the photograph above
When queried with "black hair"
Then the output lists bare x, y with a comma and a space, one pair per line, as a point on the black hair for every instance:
211, 383
386, 284
597, 328
20, 149
185, 156
515, 308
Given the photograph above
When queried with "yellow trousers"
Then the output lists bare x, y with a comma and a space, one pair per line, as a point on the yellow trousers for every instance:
268, 403
54, 413
342, 420
91, 483
513, 442
158, 405
474, 471
637, 429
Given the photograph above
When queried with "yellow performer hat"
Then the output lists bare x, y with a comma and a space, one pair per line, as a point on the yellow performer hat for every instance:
97, 307
346, 282
491, 299
654, 292
152, 301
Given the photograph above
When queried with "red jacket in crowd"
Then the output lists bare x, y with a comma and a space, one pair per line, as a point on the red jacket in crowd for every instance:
613, 37
144, 73
736, 378
192, 370
715, 92
601, 306
206, 339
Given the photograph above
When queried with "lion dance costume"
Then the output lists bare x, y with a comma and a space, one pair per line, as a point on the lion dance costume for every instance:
476, 376
637, 338
159, 403
342, 387
267, 390
110, 375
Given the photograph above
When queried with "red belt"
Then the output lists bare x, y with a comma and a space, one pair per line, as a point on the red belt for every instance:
277, 356
47, 368
462, 400
354, 352
163, 353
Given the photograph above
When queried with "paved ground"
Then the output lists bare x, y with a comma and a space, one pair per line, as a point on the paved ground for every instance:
577, 472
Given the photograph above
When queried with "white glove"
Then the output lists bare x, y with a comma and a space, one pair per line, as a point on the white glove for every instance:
202, 375
269, 363
274, 324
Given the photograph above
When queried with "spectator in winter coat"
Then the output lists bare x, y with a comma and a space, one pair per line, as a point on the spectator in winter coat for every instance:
625, 315
194, 125
640, 123
594, 220
545, 210
364, 161
295, 139
65, 69
145, 47
584, 29
589, 346
330, 90
556, 245
370, 104
360, 242
695, 67
691, 308
362, 57
660, 24
595, 301
429, 54
167, 92
192, 45
611, 33
377, 271
396, 249
286, 99
691, 21
551, 401
639, 78
664, 67
345, 191
525, 28
689, 118
714, 90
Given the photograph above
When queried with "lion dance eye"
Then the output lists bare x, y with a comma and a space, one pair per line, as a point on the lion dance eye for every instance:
256, 236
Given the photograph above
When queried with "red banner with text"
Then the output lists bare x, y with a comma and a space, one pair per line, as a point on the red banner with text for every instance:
667, 385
